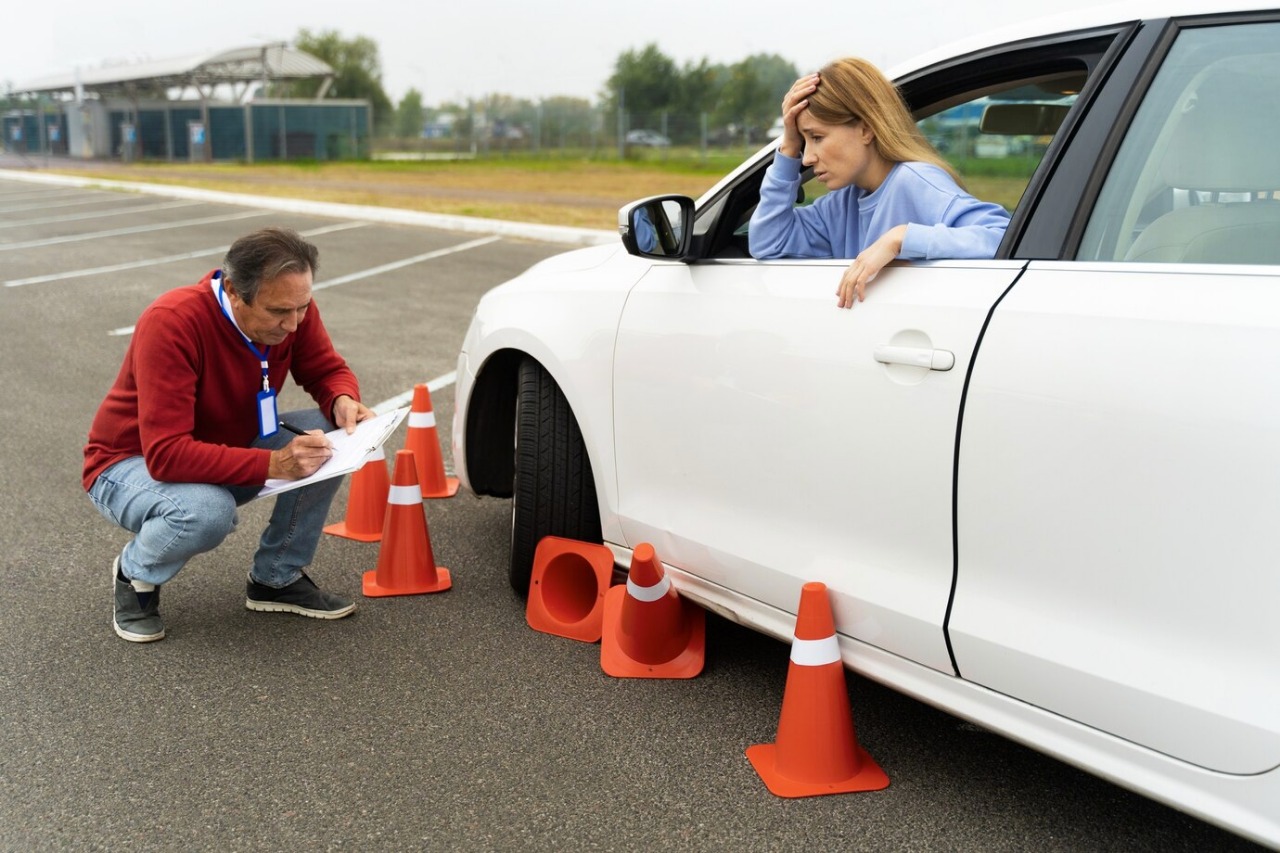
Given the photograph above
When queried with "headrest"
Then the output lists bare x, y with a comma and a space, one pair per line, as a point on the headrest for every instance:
1227, 139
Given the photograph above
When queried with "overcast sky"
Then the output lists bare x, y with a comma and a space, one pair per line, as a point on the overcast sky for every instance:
453, 51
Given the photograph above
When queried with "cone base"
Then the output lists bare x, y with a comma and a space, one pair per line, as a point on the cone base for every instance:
449, 490
341, 529
869, 777
594, 565
372, 590
687, 664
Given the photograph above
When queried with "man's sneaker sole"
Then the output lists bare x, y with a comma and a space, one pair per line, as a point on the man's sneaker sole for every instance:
135, 638
283, 607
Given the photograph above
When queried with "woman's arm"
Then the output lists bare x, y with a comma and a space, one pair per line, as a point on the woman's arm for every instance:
970, 229
933, 218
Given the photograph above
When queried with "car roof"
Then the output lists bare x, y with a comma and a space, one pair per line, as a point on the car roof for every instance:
1086, 18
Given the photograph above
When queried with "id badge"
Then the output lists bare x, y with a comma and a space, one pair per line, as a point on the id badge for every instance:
268, 420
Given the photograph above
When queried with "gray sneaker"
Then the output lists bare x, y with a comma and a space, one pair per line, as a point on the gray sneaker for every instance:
302, 597
136, 616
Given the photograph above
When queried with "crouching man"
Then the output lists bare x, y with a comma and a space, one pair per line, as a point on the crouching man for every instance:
189, 431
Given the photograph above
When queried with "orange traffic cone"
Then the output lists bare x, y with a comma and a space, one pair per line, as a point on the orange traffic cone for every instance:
816, 751
406, 565
566, 593
366, 501
421, 438
649, 631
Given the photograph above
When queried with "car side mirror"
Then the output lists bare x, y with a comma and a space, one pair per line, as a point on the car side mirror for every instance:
658, 227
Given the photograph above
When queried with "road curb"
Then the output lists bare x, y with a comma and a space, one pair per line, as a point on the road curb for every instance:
472, 224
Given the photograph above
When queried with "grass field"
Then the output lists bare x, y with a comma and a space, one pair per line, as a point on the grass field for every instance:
581, 192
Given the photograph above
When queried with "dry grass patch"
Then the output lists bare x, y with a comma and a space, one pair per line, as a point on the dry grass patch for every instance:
585, 195
578, 193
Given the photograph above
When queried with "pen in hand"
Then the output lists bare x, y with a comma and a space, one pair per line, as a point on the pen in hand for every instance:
297, 431
299, 459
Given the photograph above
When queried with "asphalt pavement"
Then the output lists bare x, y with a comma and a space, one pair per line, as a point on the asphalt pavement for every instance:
435, 722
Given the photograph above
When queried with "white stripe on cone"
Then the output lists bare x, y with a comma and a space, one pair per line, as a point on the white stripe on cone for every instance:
422, 419
648, 593
405, 495
815, 652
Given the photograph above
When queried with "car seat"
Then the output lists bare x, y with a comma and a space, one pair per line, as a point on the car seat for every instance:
1225, 143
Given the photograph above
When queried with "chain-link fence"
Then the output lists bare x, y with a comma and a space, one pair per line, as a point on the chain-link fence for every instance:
597, 133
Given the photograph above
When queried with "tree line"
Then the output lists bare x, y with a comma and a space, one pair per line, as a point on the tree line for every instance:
647, 89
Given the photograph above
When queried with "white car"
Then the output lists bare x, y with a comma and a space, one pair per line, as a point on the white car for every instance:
1043, 489
647, 138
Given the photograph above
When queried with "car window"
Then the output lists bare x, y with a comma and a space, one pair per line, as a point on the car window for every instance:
993, 116
1196, 179
995, 140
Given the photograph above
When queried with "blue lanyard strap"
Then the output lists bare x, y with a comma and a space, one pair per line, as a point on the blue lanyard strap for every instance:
226, 312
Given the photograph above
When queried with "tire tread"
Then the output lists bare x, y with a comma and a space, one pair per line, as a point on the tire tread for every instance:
560, 497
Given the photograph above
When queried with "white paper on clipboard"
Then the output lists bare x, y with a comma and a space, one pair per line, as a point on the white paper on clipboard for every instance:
349, 451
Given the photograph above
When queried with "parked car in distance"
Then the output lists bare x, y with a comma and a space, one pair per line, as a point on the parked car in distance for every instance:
647, 138
1041, 488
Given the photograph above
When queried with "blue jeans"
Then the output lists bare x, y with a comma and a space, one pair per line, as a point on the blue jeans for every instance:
172, 522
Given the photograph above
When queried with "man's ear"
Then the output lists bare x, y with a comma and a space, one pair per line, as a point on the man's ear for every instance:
231, 291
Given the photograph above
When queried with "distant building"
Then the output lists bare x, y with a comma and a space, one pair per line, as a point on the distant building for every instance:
440, 127
192, 108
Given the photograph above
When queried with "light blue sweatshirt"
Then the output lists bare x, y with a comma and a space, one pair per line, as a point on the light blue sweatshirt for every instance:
943, 221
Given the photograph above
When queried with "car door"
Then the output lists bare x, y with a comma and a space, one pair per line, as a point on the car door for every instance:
761, 443
1119, 467
765, 438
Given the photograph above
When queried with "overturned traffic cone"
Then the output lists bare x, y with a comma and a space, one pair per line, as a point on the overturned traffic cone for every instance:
649, 631
567, 590
817, 751
421, 438
406, 565
366, 501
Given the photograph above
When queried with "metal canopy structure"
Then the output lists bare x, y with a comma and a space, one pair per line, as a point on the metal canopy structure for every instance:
212, 106
239, 68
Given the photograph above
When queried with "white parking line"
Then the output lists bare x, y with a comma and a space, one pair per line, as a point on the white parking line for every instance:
94, 214
356, 276
524, 230
30, 195
395, 265
97, 198
133, 229
401, 399
168, 259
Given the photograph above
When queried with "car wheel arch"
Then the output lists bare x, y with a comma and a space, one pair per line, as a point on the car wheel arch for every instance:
491, 416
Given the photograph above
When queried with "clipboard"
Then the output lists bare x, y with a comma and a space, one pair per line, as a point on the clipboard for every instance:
349, 451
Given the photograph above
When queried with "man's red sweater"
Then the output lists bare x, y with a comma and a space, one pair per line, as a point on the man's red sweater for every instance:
186, 395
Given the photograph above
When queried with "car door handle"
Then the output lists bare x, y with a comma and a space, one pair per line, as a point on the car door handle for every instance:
934, 359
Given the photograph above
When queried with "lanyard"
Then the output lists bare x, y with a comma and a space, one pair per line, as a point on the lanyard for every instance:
226, 310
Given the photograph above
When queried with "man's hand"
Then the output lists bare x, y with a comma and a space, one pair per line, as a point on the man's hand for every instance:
347, 412
300, 457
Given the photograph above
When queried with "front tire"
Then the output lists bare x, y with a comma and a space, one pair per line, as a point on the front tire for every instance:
554, 492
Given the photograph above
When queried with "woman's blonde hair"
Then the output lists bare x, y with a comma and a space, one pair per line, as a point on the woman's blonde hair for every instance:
852, 90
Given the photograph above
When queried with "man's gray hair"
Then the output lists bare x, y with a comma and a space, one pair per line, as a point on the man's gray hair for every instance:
265, 255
